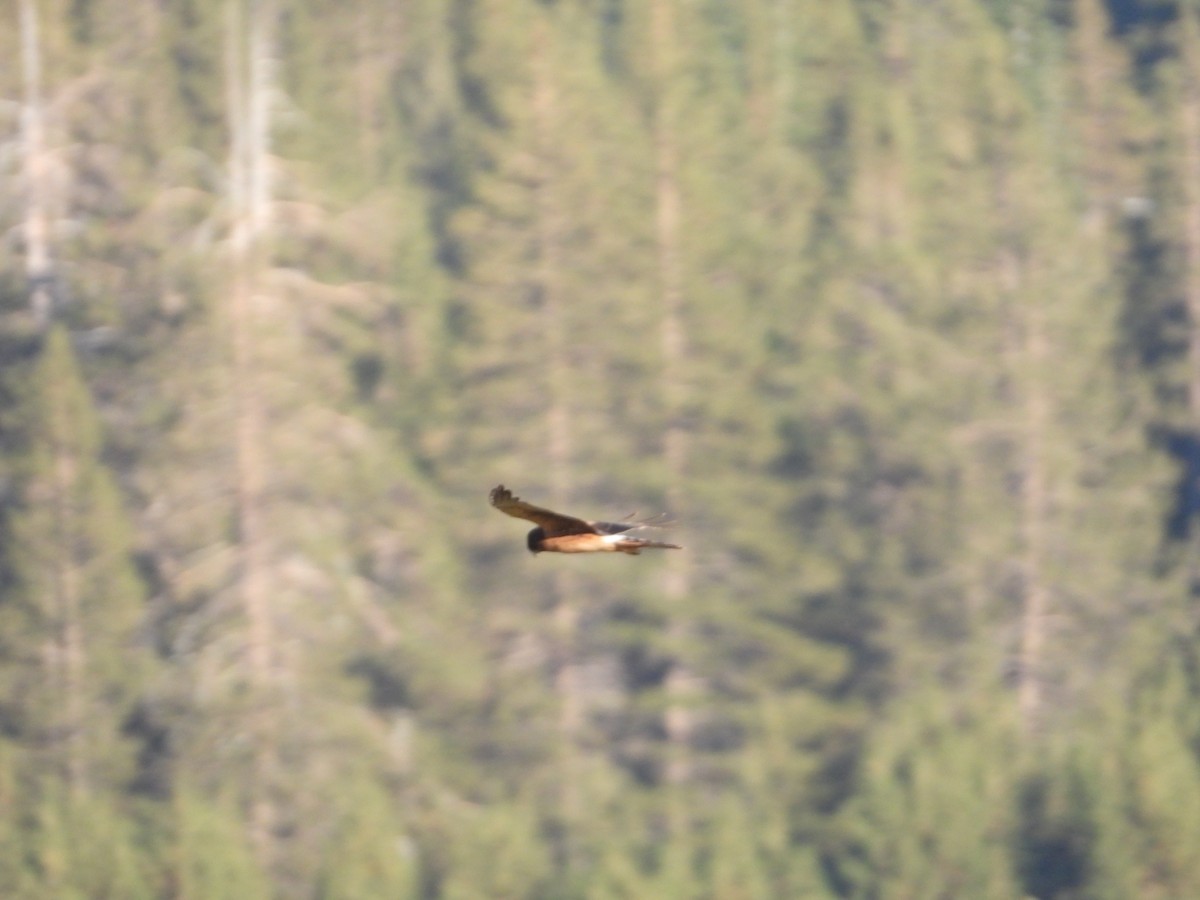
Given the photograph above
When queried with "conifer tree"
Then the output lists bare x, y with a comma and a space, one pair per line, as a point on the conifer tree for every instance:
932, 805
75, 665
866, 295
273, 624
542, 241
207, 854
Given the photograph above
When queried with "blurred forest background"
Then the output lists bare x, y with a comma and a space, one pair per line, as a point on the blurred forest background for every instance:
893, 304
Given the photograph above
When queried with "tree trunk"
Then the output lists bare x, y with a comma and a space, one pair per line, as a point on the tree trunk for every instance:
249, 121
1030, 359
559, 448
1025, 350
1091, 24
69, 660
1189, 108
679, 718
36, 228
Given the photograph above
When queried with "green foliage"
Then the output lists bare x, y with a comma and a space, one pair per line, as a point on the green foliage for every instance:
74, 666
938, 795
931, 360
207, 855
370, 854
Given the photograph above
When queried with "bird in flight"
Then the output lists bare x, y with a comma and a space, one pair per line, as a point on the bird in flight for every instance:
556, 533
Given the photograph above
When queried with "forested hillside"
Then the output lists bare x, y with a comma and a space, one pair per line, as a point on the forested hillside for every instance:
893, 305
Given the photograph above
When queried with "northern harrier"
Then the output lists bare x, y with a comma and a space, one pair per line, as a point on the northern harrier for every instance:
557, 533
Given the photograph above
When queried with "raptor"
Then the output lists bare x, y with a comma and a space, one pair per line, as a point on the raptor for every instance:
557, 533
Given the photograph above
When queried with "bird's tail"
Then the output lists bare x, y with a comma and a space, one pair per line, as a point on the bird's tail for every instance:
634, 546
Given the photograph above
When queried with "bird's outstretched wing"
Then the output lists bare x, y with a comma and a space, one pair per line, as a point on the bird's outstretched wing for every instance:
554, 524
630, 523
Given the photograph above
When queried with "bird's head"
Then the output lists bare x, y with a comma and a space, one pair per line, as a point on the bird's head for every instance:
534, 540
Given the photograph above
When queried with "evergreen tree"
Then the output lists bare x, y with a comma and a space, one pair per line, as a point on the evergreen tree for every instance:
938, 795
207, 854
889, 303
73, 662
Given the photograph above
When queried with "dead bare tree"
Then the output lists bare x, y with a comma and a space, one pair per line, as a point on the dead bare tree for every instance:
36, 175
249, 84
